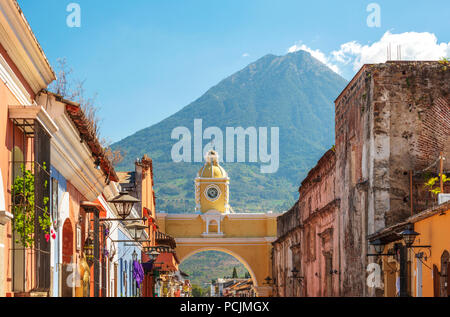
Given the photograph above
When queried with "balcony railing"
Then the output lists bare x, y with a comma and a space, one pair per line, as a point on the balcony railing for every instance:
162, 238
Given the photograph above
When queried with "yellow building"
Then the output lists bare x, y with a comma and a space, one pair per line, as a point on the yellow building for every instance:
247, 237
427, 259
431, 269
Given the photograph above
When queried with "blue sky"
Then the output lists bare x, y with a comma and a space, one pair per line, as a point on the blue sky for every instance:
146, 59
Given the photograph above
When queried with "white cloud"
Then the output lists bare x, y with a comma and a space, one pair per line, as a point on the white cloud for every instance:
414, 46
315, 53
245, 55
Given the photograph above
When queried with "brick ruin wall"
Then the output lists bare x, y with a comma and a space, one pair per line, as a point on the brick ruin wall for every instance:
392, 118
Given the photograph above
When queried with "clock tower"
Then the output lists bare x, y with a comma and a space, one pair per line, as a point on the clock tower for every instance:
211, 187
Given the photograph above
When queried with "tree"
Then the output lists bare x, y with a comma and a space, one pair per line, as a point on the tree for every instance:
73, 90
234, 273
197, 291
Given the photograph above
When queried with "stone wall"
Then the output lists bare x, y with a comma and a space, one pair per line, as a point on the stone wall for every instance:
392, 118
307, 237
392, 121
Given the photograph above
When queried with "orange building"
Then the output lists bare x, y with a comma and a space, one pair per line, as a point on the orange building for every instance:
420, 268
431, 267
24, 71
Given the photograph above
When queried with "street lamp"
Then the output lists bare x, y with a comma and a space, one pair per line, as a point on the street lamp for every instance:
296, 276
136, 230
378, 246
408, 236
124, 203
153, 255
89, 251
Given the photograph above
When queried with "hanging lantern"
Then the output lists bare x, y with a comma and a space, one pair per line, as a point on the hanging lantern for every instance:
153, 255
124, 203
89, 251
136, 230
378, 246
409, 235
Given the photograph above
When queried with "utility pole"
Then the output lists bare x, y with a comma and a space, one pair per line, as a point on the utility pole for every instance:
403, 252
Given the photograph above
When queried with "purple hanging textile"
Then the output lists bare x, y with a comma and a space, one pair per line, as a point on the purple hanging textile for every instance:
138, 273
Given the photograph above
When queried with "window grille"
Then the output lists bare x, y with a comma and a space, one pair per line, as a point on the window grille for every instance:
32, 141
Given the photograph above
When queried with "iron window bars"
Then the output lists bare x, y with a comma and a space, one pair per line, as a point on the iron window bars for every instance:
31, 152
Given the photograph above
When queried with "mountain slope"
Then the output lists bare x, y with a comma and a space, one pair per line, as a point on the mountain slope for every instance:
294, 92
210, 265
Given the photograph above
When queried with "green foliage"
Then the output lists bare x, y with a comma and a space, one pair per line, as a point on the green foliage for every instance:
197, 291
294, 92
234, 273
207, 266
408, 82
430, 184
445, 62
24, 208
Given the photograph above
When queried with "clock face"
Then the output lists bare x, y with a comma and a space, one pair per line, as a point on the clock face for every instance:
212, 192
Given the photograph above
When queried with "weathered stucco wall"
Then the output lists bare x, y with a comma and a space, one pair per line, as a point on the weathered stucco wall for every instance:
308, 237
391, 118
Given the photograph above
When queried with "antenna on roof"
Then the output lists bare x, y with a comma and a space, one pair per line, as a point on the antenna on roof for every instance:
389, 52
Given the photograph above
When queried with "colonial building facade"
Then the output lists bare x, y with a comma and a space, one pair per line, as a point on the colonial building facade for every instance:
392, 123
308, 237
24, 71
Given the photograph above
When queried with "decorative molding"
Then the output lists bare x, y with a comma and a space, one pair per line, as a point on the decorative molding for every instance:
252, 216
224, 241
211, 180
23, 48
177, 216
212, 235
5, 217
11, 81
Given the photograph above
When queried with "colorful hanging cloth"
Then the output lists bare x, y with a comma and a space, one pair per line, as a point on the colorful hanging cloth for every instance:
138, 273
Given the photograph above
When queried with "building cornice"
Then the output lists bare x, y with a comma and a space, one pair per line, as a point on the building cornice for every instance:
224, 241
5, 217
14, 84
22, 46
74, 160
252, 216
242, 216
328, 208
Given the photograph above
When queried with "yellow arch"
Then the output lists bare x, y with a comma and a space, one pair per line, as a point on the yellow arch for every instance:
227, 251
247, 237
